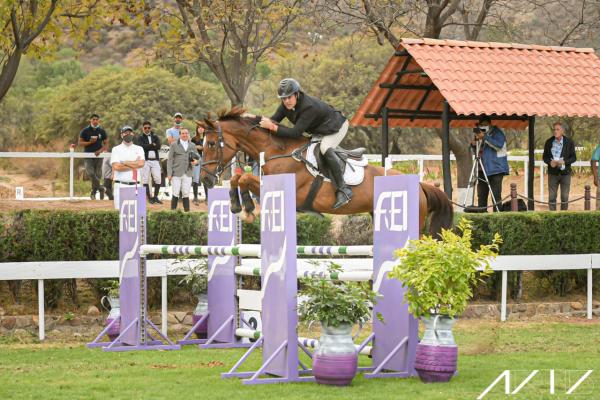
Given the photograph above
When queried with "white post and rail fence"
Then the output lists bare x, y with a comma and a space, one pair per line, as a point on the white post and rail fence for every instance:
41, 271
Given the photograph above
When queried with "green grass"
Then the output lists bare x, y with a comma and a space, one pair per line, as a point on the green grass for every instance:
70, 371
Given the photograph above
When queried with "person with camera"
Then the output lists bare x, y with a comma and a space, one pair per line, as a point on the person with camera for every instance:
559, 154
94, 140
150, 142
183, 156
489, 142
127, 161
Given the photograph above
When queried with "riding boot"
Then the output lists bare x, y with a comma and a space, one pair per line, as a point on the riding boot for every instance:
195, 189
186, 204
336, 167
156, 191
205, 193
174, 201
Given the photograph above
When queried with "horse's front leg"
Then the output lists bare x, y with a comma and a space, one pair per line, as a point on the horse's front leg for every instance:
249, 183
234, 197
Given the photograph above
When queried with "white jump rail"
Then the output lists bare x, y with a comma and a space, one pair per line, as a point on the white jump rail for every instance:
360, 268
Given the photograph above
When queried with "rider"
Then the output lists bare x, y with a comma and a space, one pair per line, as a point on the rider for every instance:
315, 117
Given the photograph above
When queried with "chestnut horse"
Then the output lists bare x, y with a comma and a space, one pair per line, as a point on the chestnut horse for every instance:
234, 131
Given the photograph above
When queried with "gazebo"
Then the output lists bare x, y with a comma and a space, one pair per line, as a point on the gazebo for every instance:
447, 84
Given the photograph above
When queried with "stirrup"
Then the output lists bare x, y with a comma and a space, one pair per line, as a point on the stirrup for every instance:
339, 202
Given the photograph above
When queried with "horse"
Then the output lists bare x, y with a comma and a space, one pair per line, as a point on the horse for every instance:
235, 131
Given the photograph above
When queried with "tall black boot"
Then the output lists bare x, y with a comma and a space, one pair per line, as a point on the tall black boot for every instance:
156, 191
336, 167
186, 203
195, 190
148, 197
174, 201
205, 193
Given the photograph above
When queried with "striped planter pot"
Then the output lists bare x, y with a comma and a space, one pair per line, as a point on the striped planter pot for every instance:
336, 361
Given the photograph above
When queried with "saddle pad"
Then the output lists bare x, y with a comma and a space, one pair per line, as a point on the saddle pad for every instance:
355, 169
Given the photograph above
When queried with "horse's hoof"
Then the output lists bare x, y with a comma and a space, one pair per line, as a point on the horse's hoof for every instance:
247, 217
235, 208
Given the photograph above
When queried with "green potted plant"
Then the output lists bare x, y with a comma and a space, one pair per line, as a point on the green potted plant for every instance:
439, 276
338, 306
196, 282
114, 307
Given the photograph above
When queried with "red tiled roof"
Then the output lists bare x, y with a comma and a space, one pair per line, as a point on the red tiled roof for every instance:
487, 78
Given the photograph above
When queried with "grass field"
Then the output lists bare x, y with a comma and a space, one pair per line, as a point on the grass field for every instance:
70, 371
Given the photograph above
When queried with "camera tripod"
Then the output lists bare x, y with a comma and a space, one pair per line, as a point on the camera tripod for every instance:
475, 179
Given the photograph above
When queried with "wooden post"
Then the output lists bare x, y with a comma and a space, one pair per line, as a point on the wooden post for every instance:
587, 197
514, 205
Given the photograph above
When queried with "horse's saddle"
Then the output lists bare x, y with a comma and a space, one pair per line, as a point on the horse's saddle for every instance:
354, 171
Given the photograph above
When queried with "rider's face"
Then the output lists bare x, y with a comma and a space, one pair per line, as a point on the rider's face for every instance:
290, 101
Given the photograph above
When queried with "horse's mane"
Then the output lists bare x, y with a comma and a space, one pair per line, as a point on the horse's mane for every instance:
236, 113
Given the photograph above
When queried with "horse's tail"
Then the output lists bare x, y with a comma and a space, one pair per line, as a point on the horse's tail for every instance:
440, 209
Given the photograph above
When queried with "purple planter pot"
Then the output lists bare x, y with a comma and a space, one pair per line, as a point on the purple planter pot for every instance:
114, 330
202, 329
436, 363
335, 369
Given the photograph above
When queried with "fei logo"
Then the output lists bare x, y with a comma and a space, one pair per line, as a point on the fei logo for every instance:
273, 211
392, 207
128, 216
220, 218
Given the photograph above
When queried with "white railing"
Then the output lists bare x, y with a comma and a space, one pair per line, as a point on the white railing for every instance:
163, 268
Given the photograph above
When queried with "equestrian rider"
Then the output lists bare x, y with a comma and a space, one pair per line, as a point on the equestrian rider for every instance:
315, 117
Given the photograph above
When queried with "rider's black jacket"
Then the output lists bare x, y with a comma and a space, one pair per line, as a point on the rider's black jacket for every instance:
310, 115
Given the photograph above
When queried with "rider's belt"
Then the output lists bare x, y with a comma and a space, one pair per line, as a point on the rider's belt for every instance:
126, 183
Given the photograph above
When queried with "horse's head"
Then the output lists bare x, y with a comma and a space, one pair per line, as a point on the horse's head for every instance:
219, 148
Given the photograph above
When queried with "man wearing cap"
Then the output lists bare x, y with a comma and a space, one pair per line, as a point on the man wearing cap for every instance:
495, 161
126, 159
183, 156
173, 132
150, 142
94, 140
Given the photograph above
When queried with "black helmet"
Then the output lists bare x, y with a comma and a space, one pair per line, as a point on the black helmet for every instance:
288, 87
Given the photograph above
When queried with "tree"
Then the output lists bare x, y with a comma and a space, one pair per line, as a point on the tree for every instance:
230, 36
125, 96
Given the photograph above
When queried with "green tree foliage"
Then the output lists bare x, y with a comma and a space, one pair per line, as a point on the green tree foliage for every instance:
125, 96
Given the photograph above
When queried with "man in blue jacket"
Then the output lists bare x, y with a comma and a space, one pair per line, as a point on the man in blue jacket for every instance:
494, 159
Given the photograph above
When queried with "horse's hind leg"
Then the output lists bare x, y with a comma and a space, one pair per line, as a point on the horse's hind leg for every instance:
234, 197
247, 183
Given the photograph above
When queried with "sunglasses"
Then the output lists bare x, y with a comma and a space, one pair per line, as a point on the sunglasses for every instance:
146, 128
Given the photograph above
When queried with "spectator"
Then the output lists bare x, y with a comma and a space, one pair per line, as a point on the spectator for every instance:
173, 132
150, 142
94, 140
559, 154
495, 162
596, 174
107, 173
126, 159
182, 157
198, 139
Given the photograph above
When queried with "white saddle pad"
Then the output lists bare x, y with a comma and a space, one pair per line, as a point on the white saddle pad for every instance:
355, 169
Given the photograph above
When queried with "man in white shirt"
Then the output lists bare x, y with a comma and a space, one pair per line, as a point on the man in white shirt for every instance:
126, 159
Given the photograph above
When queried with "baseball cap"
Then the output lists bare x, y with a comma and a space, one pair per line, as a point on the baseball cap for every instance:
177, 115
126, 128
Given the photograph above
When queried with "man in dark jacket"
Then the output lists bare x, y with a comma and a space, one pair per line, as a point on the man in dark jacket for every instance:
312, 116
150, 142
94, 140
559, 154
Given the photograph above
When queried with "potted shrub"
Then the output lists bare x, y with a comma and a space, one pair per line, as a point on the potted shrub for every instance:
196, 282
439, 276
338, 306
114, 308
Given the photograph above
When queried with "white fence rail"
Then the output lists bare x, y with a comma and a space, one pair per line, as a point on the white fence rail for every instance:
163, 268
